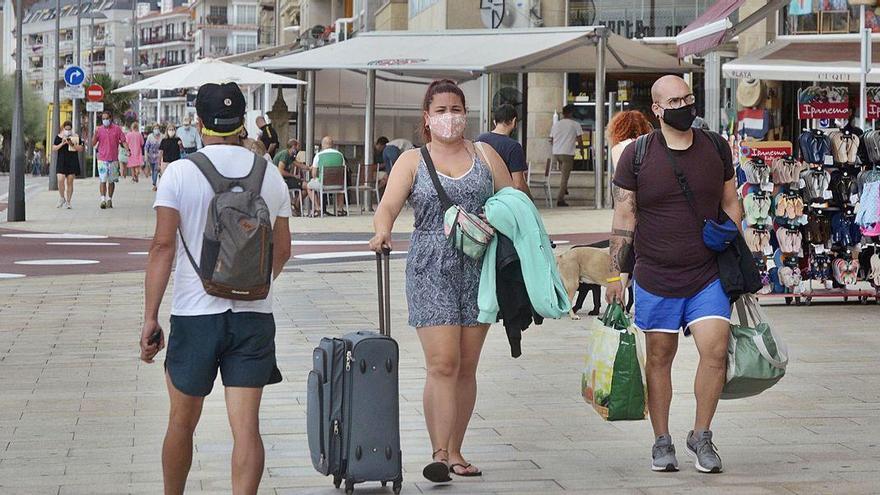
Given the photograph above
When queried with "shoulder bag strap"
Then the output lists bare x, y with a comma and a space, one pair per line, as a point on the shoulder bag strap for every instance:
441, 193
681, 179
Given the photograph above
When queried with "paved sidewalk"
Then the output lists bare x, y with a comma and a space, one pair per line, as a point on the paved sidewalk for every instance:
80, 414
132, 215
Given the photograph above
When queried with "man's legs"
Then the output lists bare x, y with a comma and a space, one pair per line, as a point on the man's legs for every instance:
566, 163
112, 177
178, 446
711, 336
661, 348
248, 456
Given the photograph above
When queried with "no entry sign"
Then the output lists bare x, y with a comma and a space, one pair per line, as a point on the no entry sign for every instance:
95, 93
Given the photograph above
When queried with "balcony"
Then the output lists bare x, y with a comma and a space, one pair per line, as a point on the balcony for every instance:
216, 20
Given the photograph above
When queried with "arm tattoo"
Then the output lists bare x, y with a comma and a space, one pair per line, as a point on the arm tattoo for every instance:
622, 238
624, 198
620, 249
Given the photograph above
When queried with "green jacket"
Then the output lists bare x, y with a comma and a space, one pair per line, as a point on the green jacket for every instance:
513, 214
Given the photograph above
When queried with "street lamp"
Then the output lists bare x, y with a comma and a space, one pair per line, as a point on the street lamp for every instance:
56, 100
15, 208
93, 15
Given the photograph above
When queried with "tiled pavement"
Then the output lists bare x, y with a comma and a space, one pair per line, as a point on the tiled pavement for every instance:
80, 414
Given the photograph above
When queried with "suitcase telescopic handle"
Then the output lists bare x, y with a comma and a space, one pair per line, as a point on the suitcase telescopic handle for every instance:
383, 271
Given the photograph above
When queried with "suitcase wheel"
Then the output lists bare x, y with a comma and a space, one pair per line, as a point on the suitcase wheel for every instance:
384, 484
349, 487
397, 486
337, 481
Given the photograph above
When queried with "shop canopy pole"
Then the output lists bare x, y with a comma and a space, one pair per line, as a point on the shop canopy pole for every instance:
865, 68
310, 118
712, 91
612, 103
598, 141
369, 131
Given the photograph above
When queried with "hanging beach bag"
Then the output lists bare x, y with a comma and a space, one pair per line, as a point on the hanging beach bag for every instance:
613, 380
756, 355
465, 231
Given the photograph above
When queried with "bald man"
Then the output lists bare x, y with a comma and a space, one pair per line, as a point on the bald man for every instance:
326, 158
677, 284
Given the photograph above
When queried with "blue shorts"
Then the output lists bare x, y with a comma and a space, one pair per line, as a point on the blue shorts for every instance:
671, 314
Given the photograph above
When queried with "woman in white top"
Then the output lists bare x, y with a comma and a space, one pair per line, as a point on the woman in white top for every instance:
623, 129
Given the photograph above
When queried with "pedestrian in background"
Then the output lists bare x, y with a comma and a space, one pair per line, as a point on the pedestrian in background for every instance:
566, 138
151, 152
135, 142
107, 138
441, 283
268, 136
189, 136
509, 149
170, 148
67, 147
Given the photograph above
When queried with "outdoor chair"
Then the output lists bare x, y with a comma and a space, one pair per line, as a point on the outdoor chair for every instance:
544, 182
367, 182
333, 184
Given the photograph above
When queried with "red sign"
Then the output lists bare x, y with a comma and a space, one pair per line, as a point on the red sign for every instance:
823, 102
95, 93
768, 150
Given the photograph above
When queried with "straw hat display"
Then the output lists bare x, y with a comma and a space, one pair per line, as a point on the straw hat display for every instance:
750, 93
869, 3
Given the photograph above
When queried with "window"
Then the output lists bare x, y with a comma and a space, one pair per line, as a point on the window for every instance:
636, 18
826, 17
246, 14
245, 43
416, 7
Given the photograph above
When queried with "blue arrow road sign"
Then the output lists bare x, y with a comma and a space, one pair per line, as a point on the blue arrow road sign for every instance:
74, 76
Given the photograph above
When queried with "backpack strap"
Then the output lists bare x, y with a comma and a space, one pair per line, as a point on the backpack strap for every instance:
641, 151
719, 142
253, 181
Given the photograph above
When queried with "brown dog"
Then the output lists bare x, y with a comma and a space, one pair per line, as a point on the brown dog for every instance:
583, 264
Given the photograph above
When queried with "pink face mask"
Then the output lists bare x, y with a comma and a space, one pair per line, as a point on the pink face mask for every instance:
448, 126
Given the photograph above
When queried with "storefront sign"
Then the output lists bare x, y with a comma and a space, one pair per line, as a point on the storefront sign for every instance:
823, 102
874, 103
768, 150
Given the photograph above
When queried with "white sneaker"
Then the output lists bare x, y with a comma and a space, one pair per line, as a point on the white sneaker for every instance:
69, 207
61, 203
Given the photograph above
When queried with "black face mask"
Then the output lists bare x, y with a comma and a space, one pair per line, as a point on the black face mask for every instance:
680, 118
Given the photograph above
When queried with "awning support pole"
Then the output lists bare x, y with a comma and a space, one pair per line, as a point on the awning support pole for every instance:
712, 85
612, 103
485, 102
369, 130
310, 117
863, 76
598, 141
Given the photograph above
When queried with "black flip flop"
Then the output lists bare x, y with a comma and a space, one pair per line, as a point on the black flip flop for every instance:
466, 474
437, 472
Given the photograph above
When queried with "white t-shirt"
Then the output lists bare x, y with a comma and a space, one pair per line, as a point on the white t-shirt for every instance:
184, 188
565, 133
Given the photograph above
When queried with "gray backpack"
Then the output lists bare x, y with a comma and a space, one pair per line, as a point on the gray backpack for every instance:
236, 260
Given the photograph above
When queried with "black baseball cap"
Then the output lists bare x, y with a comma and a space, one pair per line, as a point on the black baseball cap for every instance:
221, 107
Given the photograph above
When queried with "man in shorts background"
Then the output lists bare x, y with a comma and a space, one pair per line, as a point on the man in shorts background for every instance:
108, 138
677, 284
210, 333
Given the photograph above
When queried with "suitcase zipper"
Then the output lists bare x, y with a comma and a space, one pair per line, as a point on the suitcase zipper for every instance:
348, 361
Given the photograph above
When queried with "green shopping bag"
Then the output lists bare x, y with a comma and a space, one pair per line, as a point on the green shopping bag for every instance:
756, 355
613, 380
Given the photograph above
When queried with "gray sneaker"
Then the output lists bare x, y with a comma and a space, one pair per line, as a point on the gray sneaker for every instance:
706, 458
663, 454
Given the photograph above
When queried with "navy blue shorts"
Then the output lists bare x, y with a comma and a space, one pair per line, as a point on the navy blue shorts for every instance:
240, 345
671, 314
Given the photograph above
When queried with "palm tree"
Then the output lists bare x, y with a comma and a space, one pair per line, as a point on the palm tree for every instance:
116, 103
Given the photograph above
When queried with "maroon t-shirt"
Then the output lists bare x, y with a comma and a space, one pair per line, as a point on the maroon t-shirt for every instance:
671, 259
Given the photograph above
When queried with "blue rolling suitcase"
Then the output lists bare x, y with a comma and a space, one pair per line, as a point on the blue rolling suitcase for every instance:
353, 419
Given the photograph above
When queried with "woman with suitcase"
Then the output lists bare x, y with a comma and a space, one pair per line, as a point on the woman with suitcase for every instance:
442, 283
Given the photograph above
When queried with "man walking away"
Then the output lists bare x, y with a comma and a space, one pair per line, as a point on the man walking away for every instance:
210, 333
387, 152
108, 138
510, 150
677, 284
565, 134
268, 136
189, 136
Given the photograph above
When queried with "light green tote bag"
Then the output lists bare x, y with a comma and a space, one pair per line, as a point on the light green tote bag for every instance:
756, 355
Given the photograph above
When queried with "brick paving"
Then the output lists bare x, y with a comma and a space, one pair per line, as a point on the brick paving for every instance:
80, 414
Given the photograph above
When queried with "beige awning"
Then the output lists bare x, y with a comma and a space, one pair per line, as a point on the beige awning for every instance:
464, 54
807, 59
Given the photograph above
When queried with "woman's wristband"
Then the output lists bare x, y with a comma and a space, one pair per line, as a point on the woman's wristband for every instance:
612, 279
